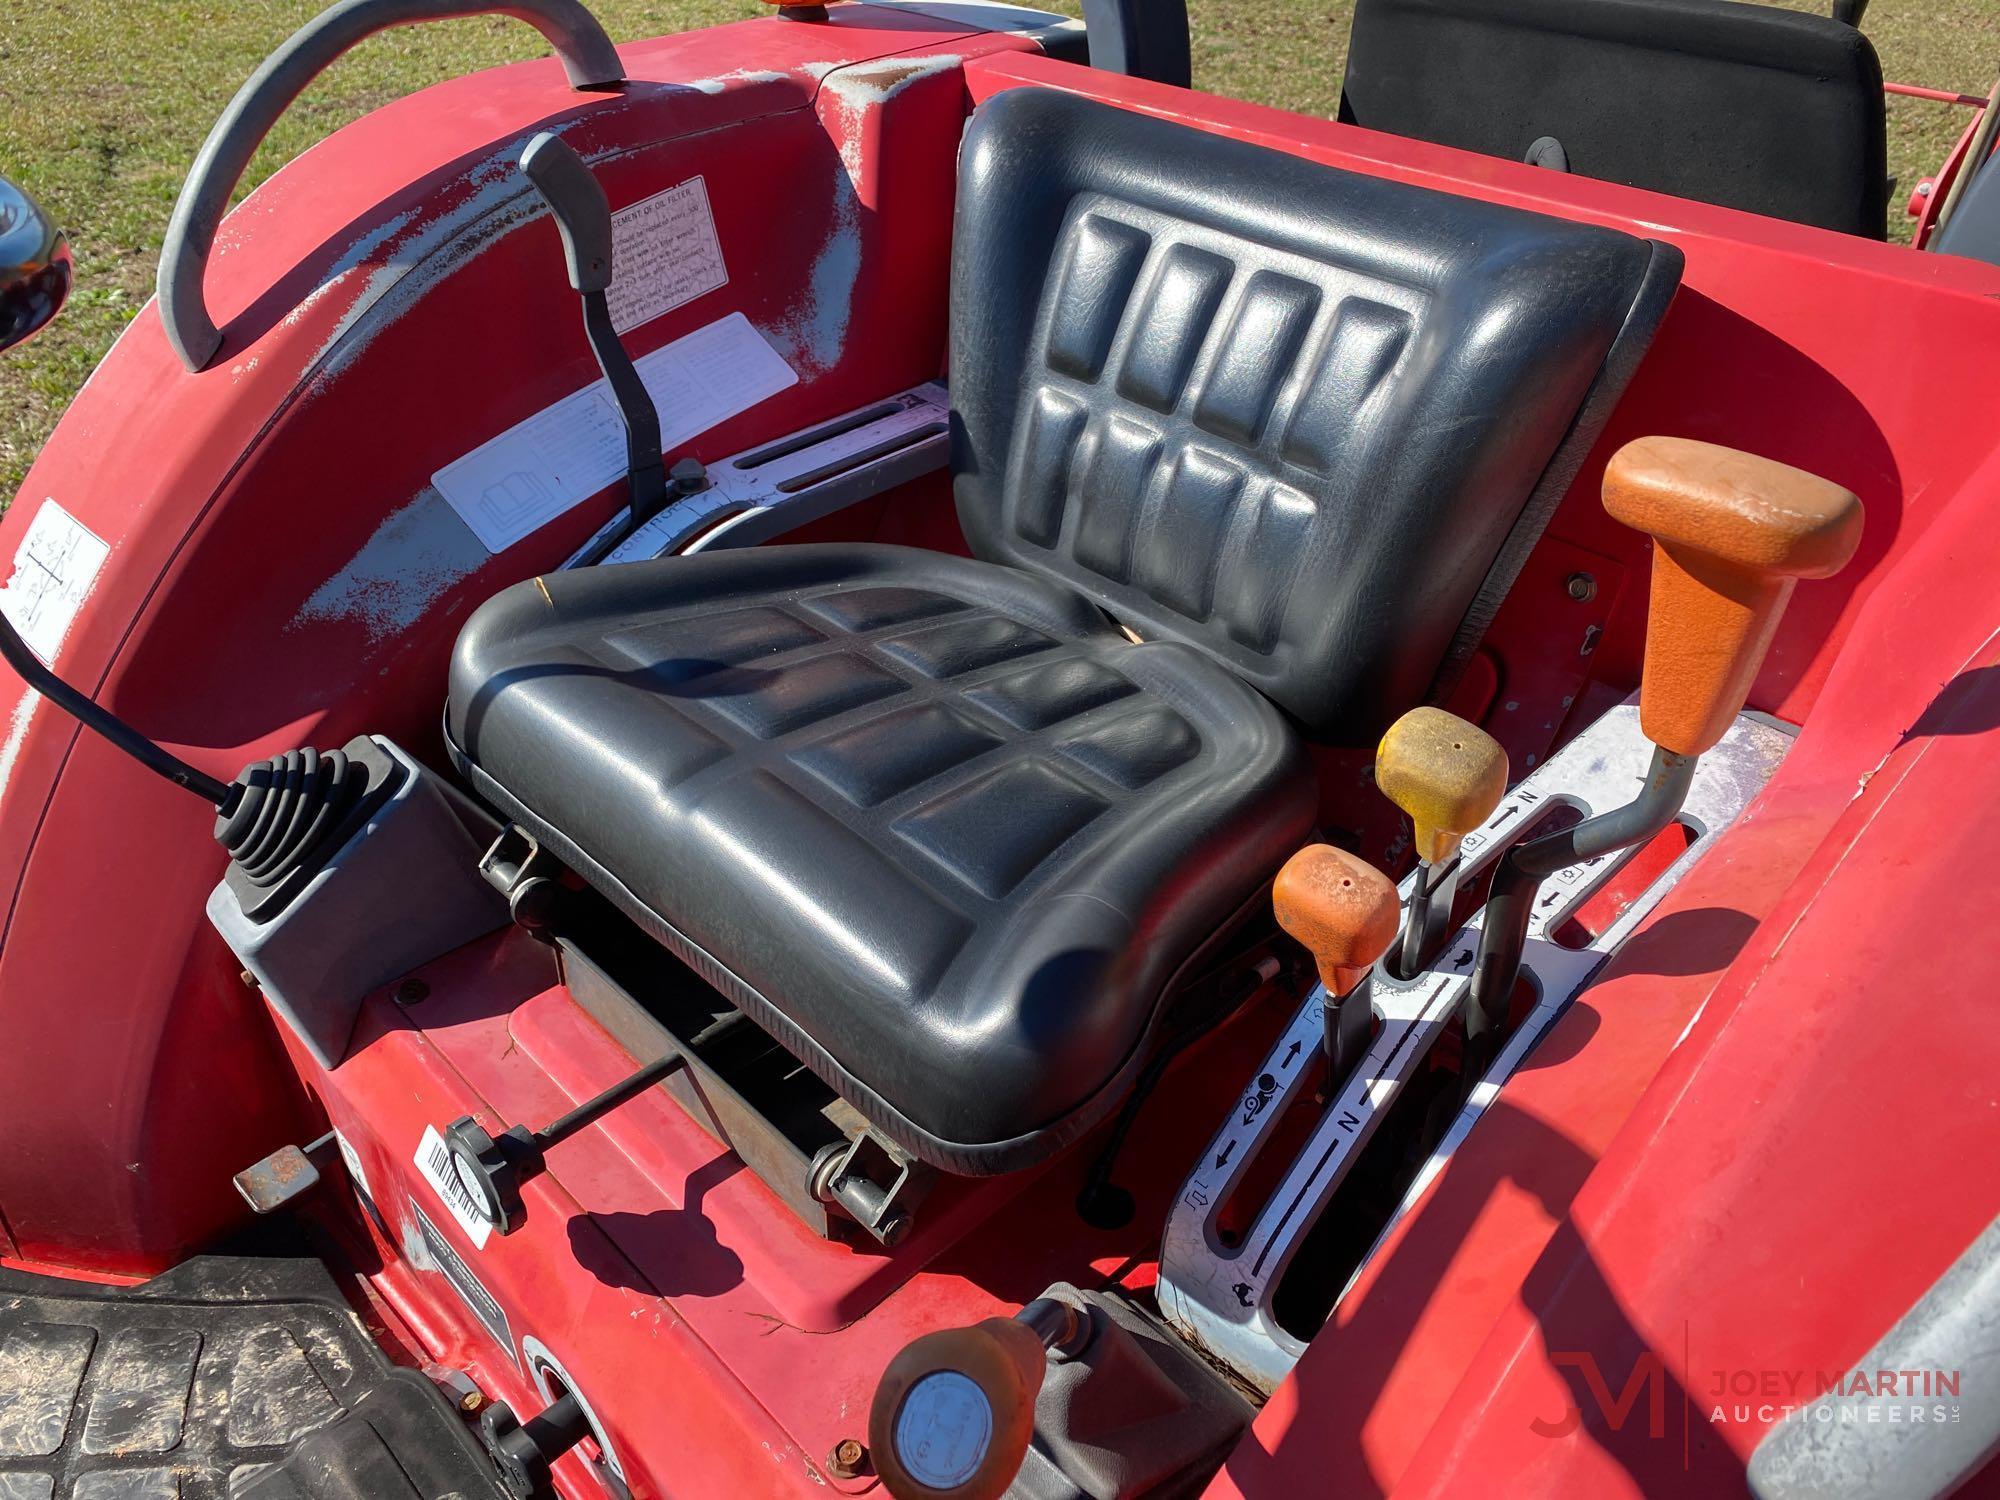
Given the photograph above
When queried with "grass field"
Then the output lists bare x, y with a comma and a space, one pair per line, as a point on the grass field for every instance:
104, 102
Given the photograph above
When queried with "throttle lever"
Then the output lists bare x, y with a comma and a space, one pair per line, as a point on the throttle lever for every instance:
583, 215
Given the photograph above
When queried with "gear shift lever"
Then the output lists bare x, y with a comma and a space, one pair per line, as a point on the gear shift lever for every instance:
1448, 775
1345, 911
1733, 533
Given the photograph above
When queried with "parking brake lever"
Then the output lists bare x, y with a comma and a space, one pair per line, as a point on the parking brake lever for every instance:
1345, 911
1732, 536
583, 214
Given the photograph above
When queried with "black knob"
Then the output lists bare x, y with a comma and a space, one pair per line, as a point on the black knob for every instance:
492, 1168
523, 1451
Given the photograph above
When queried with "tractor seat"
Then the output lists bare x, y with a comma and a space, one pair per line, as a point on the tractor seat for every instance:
939, 824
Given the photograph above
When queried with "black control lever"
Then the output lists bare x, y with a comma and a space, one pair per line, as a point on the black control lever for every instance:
583, 215
1503, 936
492, 1168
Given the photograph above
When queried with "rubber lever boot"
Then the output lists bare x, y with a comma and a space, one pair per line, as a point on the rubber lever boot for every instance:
1448, 775
1345, 911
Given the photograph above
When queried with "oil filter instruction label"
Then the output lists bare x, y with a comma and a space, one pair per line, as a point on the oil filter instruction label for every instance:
664, 252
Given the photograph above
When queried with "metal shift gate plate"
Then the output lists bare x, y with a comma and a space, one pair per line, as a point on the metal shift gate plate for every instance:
1219, 1295
781, 485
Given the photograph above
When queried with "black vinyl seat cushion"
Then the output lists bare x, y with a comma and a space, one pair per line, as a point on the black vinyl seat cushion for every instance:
936, 824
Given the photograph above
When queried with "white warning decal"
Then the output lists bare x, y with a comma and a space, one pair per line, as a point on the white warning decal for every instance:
54, 567
434, 1166
516, 483
663, 253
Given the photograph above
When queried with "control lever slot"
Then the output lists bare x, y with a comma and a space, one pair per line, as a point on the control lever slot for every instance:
1222, 1296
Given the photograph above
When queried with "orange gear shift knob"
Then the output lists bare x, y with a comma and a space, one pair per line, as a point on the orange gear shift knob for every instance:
1341, 907
1734, 533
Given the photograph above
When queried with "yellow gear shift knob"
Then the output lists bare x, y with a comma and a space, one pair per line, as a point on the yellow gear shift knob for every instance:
1448, 775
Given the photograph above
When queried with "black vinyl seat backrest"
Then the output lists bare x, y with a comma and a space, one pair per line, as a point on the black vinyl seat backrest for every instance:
1748, 106
1305, 421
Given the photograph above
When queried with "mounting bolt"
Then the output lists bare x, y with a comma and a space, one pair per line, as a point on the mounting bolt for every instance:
687, 477
457, 1387
1580, 587
849, 1459
410, 991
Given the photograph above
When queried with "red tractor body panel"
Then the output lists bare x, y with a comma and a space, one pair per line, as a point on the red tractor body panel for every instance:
1734, 1163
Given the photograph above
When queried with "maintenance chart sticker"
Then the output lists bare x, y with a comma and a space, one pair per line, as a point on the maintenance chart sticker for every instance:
54, 567
434, 1166
468, 1286
513, 485
663, 252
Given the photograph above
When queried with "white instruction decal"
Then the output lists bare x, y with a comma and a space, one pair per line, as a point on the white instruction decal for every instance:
516, 483
663, 252
434, 1166
54, 567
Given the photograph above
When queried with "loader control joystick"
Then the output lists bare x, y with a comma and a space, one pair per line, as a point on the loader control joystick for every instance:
1345, 911
955, 1411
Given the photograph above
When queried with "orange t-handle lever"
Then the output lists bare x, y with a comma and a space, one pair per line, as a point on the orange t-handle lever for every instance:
1346, 913
1735, 533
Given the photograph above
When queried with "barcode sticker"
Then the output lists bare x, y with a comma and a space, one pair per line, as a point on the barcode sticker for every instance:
434, 1166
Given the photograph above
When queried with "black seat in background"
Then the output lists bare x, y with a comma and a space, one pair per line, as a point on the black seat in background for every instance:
1748, 106
936, 823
